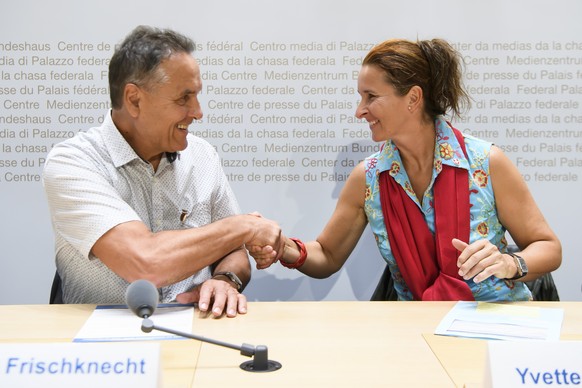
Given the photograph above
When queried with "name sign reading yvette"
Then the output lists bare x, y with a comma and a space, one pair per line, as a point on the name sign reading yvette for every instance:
84, 365
533, 364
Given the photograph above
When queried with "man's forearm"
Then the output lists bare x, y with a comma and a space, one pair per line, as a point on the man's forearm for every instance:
133, 252
236, 262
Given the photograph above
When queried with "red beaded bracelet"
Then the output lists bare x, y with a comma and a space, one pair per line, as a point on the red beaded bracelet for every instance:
302, 255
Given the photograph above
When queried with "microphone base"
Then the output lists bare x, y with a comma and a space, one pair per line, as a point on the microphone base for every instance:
250, 366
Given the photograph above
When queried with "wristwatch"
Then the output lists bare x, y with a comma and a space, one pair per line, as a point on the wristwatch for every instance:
231, 276
520, 264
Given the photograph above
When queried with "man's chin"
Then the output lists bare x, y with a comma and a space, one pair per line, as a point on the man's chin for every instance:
180, 146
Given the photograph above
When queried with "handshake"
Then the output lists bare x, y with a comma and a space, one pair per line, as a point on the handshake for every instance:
266, 244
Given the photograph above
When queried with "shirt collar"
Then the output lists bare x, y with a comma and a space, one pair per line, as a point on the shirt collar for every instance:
448, 151
119, 149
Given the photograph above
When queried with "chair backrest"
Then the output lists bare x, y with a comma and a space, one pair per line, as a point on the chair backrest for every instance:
385, 288
544, 288
56, 296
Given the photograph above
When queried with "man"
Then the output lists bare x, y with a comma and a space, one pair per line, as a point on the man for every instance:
141, 198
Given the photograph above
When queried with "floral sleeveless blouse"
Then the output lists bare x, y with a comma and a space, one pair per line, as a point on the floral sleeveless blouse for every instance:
484, 221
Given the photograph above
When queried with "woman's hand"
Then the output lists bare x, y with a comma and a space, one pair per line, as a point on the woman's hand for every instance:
481, 260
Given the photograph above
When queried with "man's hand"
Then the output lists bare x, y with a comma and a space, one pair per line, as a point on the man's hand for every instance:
268, 243
218, 296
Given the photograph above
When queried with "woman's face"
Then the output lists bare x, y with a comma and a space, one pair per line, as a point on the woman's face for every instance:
381, 106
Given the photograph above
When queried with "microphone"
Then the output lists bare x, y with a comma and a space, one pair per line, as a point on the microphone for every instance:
142, 298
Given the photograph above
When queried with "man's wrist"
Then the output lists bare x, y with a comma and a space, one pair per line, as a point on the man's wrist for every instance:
230, 277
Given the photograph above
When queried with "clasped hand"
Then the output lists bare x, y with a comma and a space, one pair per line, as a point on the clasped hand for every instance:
481, 260
267, 244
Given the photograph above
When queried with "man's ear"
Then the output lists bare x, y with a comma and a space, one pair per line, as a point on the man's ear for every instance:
132, 98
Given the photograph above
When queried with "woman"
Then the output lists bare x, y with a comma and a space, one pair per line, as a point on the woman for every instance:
438, 202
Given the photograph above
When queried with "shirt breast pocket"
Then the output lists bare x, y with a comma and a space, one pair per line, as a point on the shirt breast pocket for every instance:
196, 214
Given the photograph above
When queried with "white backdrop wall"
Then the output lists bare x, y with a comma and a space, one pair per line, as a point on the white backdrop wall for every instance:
279, 98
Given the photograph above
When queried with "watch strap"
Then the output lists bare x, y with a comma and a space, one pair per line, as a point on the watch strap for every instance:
231, 276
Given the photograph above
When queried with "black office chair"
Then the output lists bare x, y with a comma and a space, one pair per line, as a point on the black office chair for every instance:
56, 296
385, 288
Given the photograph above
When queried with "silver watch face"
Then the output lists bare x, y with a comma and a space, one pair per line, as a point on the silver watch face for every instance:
522, 266
236, 280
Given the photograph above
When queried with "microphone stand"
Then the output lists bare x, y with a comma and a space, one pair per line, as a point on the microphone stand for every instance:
259, 363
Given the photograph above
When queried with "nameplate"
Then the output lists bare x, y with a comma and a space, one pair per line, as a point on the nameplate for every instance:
85, 365
533, 364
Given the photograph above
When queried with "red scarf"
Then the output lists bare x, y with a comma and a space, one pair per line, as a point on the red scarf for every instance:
428, 263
